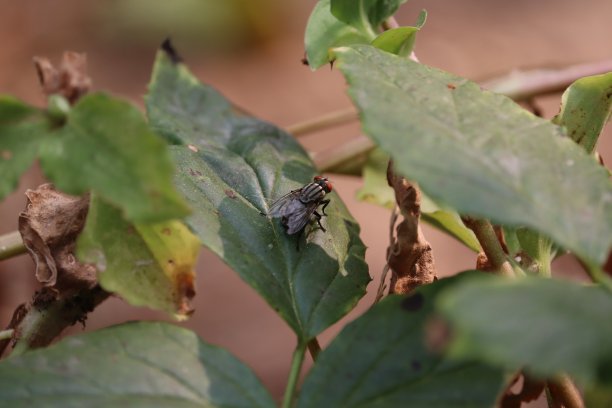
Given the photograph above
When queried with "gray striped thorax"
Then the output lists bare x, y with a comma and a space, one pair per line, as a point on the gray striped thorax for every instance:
311, 192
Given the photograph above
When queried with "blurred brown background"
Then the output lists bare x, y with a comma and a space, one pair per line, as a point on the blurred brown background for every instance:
251, 51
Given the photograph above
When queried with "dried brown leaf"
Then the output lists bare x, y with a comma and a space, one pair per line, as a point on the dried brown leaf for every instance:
70, 80
49, 227
411, 257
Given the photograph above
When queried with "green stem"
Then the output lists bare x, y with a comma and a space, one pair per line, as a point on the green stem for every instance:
11, 245
294, 374
490, 245
6, 334
598, 275
314, 348
332, 119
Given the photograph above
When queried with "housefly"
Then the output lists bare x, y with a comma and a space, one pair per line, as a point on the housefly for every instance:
296, 208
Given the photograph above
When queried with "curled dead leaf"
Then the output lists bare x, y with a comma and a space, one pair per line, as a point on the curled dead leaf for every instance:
49, 227
411, 257
69, 80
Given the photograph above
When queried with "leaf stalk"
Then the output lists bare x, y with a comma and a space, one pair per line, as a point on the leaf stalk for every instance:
294, 374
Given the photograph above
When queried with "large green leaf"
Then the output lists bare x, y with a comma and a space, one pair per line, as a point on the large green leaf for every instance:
106, 146
132, 365
546, 325
324, 31
21, 130
381, 359
376, 190
479, 152
146, 264
230, 170
585, 109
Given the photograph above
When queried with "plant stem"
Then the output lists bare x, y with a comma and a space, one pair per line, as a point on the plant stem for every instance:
44, 321
294, 374
490, 245
11, 245
6, 334
598, 275
332, 119
524, 85
564, 392
343, 158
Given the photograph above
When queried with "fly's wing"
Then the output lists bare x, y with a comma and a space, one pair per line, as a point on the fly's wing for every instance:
298, 218
284, 205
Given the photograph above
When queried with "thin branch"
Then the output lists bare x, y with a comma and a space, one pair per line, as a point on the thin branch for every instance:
344, 157
524, 85
6, 334
564, 392
496, 257
11, 245
390, 23
329, 120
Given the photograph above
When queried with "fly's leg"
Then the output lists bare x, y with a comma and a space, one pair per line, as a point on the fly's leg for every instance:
324, 202
318, 218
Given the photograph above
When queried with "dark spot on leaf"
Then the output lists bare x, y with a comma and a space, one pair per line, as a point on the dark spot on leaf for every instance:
451, 86
170, 262
6, 154
168, 48
413, 302
230, 193
167, 231
416, 365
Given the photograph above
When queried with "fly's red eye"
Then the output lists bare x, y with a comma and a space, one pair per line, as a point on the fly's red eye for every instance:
328, 186
317, 178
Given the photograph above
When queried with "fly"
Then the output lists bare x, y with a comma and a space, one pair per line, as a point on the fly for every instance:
296, 208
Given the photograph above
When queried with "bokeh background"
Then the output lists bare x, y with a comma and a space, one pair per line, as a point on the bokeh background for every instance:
251, 51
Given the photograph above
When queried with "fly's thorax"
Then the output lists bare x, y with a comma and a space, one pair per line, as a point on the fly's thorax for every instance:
311, 192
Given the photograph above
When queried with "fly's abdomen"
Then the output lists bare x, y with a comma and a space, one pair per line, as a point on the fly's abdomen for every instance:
311, 192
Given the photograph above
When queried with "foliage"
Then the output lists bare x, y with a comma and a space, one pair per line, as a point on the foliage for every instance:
200, 172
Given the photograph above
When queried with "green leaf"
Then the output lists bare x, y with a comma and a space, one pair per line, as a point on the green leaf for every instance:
132, 365
376, 190
382, 359
585, 109
146, 264
400, 41
21, 131
365, 15
230, 169
324, 31
107, 147
546, 325
479, 152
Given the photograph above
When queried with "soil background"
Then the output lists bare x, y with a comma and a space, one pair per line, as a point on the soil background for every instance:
255, 60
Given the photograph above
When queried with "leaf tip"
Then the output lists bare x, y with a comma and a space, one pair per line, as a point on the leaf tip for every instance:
170, 51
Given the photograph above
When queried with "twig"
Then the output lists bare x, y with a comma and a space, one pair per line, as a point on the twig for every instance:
564, 392
345, 157
524, 85
390, 251
6, 334
11, 245
496, 258
336, 118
